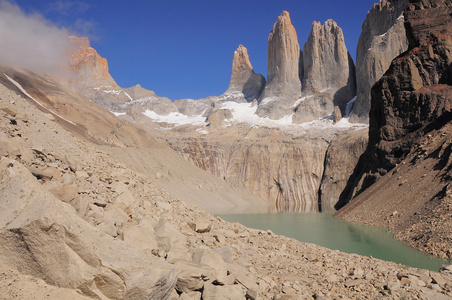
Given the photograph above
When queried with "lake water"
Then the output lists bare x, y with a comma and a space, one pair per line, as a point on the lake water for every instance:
324, 230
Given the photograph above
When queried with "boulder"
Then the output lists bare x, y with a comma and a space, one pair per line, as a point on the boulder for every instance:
139, 237
201, 225
192, 276
225, 292
15, 147
168, 237
210, 258
44, 237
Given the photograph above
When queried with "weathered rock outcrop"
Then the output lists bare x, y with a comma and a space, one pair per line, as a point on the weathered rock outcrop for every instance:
409, 133
91, 78
283, 85
90, 68
382, 39
328, 73
218, 118
243, 78
341, 158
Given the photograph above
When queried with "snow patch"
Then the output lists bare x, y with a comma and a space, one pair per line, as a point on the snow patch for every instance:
114, 92
246, 113
176, 118
118, 113
128, 96
348, 108
267, 100
301, 100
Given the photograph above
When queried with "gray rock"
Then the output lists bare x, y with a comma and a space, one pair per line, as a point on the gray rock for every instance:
201, 225
382, 39
218, 118
210, 258
191, 296
168, 237
283, 85
328, 73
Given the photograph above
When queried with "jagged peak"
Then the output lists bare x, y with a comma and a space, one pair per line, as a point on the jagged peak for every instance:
241, 59
282, 25
243, 78
285, 17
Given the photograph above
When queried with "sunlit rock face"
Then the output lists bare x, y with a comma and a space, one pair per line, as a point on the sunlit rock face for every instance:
91, 69
328, 73
243, 78
283, 85
382, 39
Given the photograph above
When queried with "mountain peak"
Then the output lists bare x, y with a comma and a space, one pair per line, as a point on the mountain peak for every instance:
283, 80
91, 69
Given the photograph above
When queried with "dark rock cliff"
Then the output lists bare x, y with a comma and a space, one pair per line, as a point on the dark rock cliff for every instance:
412, 98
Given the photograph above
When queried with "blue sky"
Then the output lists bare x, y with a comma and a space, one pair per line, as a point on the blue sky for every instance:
183, 49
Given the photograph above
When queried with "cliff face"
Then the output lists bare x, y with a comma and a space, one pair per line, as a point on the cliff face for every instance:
297, 173
271, 165
328, 73
243, 78
382, 38
91, 69
283, 85
94, 82
340, 160
409, 133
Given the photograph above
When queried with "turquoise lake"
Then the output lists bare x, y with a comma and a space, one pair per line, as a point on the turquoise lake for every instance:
324, 230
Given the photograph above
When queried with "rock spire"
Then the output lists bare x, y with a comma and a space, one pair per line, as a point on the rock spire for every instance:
328, 73
243, 78
283, 85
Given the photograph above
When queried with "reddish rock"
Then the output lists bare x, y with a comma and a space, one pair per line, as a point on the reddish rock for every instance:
89, 66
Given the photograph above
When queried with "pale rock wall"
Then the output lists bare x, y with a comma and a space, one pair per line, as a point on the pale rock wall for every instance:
382, 39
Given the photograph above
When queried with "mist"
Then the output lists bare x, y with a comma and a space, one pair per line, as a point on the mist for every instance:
31, 42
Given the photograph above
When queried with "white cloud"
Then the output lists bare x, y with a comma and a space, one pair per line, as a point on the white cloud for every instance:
30, 41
